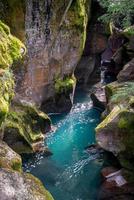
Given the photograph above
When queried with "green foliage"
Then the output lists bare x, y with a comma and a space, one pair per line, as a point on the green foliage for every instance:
64, 85
120, 12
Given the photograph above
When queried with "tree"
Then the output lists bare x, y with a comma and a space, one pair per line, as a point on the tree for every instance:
120, 12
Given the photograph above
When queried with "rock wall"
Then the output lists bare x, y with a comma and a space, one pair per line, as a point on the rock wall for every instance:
54, 33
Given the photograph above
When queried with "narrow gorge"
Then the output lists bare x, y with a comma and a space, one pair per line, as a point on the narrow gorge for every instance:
66, 100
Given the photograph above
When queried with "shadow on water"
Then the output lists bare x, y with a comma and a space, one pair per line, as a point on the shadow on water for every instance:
71, 173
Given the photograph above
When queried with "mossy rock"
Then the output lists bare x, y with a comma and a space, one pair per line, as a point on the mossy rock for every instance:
116, 134
8, 158
25, 127
6, 92
65, 85
11, 48
21, 186
119, 94
78, 16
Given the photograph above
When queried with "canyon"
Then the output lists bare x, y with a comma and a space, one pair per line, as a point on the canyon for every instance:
49, 49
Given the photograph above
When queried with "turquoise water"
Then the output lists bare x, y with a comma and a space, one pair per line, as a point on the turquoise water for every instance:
71, 173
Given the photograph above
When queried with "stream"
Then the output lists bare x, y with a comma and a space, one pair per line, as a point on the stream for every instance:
71, 173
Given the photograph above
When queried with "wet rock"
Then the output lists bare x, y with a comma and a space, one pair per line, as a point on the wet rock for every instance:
108, 170
115, 185
8, 158
110, 192
85, 68
127, 73
21, 186
96, 102
94, 149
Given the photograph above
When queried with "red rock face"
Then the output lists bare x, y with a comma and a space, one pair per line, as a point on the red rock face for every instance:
55, 40
54, 34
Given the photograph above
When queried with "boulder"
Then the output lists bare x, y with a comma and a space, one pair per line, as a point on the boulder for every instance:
127, 73
25, 128
21, 186
8, 158
116, 132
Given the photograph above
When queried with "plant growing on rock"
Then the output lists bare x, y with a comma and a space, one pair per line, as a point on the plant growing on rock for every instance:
64, 85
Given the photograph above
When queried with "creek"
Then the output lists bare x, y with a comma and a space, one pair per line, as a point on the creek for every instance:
71, 173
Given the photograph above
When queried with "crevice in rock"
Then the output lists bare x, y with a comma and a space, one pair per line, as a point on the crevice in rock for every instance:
88, 68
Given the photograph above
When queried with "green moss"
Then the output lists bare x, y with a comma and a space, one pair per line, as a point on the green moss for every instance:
114, 113
6, 92
78, 18
120, 93
27, 124
10, 47
64, 85
123, 123
78, 7
8, 158
37, 187
16, 165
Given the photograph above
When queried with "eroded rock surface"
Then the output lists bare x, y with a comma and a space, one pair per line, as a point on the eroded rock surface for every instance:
8, 158
21, 186
25, 128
